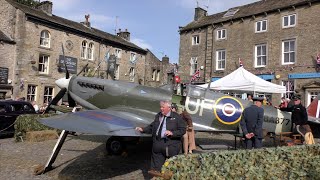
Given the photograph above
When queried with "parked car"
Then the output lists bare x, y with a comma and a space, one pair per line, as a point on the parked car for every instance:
9, 111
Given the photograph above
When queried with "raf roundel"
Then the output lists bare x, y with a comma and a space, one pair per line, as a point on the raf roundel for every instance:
228, 110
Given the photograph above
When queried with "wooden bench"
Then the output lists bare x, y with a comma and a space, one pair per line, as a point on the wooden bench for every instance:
289, 139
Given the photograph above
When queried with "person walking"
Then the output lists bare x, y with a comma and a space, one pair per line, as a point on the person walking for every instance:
167, 130
251, 124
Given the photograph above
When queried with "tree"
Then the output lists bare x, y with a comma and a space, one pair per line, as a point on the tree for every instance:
31, 3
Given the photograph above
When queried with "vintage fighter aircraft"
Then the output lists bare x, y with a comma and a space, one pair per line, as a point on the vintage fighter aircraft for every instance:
115, 108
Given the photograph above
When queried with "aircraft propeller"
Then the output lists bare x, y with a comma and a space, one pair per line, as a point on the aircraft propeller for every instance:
63, 84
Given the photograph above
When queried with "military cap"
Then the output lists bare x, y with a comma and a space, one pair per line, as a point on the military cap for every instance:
258, 99
296, 97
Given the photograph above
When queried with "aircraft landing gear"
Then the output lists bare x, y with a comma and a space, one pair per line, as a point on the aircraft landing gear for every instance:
115, 145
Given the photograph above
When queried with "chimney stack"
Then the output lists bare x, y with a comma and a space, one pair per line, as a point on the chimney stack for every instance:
86, 22
46, 6
199, 13
124, 34
165, 59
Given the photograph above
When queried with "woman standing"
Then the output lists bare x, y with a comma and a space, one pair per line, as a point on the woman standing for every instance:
188, 138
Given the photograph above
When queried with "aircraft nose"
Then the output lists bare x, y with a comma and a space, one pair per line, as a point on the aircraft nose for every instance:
63, 83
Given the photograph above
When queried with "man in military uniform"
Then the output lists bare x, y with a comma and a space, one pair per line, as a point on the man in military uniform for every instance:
251, 124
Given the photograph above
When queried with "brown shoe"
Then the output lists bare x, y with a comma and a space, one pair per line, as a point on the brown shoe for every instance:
155, 173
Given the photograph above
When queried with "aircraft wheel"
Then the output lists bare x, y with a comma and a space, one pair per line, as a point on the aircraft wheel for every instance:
115, 145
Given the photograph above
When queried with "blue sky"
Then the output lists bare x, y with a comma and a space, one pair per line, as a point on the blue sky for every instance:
153, 24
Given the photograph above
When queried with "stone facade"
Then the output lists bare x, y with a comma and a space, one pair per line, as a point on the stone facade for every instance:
242, 40
25, 58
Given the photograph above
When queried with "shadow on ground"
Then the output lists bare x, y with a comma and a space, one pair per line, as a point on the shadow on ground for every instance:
97, 164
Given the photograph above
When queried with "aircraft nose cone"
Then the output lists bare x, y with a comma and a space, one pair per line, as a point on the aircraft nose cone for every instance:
63, 83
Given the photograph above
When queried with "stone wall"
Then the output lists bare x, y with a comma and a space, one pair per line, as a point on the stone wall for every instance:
242, 39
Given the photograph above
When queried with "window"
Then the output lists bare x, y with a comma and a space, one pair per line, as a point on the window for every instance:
153, 77
221, 34
118, 53
289, 21
261, 55
117, 72
312, 96
84, 49
195, 40
133, 58
31, 93
288, 51
289, 88
231, 12
261, 26
131, 74
45, 39
90, 51
158, 75
193, 65
221, 60
48, 94
43, 64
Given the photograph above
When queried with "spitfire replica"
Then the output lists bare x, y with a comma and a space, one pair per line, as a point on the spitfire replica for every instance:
115, 108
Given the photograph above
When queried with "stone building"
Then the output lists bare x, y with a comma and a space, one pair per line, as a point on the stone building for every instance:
276, 40
34, 44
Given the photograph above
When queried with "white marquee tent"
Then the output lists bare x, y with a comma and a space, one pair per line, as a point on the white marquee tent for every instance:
243, 80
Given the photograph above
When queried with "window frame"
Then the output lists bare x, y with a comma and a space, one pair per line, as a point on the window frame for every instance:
44, 64
117, 52
289, 52
221, 60
90, 50
47, 97
289, 21
153, 75
289, 92
131, 74
220, 34
261, 55
195, 40
83, 51
193, 65
261, 26
45, 39
32, 93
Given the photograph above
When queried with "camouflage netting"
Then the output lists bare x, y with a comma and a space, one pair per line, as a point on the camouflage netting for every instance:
29, 122
297, 162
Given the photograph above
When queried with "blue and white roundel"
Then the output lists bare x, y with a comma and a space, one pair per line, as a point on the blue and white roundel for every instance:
228, 110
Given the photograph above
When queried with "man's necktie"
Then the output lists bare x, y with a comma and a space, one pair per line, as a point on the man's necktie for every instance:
160, 128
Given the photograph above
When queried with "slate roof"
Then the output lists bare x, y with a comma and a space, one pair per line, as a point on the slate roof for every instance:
72, 26
5, 38
256, 8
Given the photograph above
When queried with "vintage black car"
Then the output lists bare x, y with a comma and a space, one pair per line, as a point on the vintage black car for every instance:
9, 111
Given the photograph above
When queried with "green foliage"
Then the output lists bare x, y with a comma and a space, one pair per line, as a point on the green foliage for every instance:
297, 162
31, 3
29, 122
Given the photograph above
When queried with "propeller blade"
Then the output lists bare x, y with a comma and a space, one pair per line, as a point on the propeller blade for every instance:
56, 99
71, 101
65, 64
83, 69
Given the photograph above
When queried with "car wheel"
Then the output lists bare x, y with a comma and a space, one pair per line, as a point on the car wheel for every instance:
115, 145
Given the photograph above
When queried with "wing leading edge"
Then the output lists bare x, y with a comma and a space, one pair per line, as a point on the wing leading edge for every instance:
111, 122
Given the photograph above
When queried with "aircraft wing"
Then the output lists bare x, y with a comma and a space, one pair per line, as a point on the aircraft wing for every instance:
313, 119
117, 121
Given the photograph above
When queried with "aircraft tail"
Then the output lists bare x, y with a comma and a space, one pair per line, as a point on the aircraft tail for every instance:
314, 108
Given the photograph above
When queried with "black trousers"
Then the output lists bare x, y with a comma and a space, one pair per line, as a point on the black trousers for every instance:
162, 149
254, 142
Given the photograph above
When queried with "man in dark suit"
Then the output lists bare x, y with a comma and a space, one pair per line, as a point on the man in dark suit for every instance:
167, 130
251, 124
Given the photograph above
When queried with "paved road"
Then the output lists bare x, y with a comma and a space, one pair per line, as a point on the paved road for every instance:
84, 157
